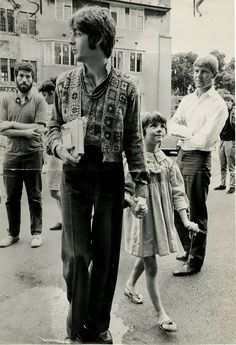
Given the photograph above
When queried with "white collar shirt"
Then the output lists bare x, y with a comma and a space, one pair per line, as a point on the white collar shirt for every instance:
199, 120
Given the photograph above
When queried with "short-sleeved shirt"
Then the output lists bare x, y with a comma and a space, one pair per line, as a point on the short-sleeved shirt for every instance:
31, 110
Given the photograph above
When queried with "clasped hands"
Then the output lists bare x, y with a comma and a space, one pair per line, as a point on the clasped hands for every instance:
139, 207
193, 229
68, 155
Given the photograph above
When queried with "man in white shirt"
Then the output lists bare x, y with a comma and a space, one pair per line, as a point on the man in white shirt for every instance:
198, 122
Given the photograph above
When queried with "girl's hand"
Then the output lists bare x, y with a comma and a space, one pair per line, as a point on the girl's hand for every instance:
191, 226
141, 207
193, 229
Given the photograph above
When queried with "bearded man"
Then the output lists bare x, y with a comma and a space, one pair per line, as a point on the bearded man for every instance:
22, 121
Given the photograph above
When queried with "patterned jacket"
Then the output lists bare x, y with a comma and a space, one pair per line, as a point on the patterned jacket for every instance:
120, 123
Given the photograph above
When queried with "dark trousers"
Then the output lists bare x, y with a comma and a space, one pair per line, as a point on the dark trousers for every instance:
96, 186
16, 171
195, 167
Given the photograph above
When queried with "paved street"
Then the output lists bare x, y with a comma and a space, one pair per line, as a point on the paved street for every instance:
33, 304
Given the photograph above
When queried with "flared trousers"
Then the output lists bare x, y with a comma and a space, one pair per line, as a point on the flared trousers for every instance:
92, 209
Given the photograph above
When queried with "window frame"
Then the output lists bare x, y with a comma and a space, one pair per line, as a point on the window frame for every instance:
28, 19
135, 61
13, 16
117, 51
123, 17
64, 4
9, 66
6, 11
52, 53
32, 19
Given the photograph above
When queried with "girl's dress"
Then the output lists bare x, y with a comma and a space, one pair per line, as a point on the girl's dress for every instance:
54, 173
156, 233
54, 164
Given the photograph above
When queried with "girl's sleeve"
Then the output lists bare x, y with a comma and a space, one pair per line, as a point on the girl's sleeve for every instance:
179, 196
129, 183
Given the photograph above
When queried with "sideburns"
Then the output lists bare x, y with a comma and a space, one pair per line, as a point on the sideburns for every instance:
92, 41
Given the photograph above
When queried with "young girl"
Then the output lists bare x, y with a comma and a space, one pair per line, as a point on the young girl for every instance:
155, 232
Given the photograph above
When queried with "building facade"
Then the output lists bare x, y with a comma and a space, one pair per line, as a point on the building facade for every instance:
38, 31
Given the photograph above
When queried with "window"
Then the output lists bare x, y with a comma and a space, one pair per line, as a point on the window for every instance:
10, 21
7, 70
140, 19
132, 62
72, 58
65, 54
34, 63
133, 19
139, 62
7, 20
58, 53
12, 69
4, 69
114, 16
126, 17
118, 14
32, 24
117, 59
3, 23
24, 23
136, 60
63, 9
27, 23
67, 10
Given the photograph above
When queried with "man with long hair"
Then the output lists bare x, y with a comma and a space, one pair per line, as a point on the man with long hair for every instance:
94, 181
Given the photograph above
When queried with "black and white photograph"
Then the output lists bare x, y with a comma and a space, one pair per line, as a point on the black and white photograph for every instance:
117, 172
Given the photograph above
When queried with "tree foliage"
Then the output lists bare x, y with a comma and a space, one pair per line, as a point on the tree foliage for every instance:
182, 73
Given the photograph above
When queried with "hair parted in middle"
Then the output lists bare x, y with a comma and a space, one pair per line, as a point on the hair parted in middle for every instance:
98, 24
152, 118
48, 85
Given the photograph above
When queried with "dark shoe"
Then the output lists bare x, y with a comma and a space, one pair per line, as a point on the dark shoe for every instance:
8, 241
77, 340
220, 187
231, 190
57, 226
182, 257
185, 270
104, 337
83, 336
86, 335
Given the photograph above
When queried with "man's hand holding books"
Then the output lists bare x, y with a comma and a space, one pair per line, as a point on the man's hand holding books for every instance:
72, 147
